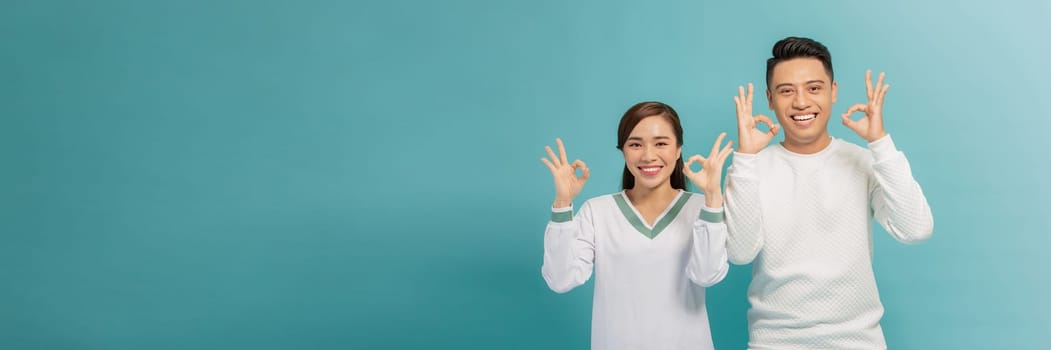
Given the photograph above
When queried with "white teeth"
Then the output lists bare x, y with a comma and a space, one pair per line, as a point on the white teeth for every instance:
801, 118
650, 169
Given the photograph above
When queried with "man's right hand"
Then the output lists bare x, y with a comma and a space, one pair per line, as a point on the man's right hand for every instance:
751, 140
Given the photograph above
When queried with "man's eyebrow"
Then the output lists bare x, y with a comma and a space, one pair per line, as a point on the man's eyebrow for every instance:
808, 82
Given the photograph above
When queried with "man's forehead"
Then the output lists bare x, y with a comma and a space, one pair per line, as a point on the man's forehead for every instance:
799, 71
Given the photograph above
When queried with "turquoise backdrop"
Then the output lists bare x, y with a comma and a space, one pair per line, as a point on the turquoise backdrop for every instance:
366, 174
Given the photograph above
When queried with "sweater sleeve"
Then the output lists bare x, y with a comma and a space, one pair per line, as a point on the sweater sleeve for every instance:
897, 201
569, 249
707, 265
743, 214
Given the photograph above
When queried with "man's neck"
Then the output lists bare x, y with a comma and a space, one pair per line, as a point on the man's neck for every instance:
818, 145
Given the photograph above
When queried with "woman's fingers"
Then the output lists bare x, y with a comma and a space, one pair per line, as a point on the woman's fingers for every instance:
562, 151
549, 165
550, 153
579, 164
715, 147
697, 158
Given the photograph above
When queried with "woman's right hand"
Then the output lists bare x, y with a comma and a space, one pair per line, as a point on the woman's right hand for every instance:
567, 183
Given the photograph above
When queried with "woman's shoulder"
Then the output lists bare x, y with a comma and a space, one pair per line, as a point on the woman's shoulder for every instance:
693, 198
605, 198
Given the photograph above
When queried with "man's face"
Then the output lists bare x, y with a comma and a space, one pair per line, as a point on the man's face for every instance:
801, 94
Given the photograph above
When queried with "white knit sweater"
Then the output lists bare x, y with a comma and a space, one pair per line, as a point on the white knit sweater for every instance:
806, 222
649, 279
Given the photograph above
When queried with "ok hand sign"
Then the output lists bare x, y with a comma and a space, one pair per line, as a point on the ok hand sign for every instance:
869, 127
751, 139
709, 179
567, 183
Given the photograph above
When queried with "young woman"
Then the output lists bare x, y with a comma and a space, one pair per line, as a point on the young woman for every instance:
653, 246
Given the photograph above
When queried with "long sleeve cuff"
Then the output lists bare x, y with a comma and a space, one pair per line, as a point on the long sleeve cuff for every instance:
562, 214
883, 149
712, 215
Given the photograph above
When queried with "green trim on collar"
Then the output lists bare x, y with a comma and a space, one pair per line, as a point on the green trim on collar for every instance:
666, 220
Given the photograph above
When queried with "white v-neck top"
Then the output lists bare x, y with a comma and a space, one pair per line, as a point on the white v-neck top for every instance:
649, 280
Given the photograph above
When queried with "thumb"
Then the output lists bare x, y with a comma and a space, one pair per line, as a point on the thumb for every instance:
579, 164
852, 124
686, 166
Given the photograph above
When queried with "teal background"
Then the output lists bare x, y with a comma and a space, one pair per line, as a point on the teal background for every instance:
366, 175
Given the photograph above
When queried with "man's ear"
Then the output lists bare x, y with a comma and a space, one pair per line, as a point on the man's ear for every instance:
834, 89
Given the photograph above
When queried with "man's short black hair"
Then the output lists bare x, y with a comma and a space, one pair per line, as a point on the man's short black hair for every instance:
796, 47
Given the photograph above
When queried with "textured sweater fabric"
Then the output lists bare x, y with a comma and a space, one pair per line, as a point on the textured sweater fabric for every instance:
806, 222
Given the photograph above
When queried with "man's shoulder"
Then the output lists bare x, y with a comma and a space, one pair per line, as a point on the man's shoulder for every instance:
769, 152
850, 149
849, 145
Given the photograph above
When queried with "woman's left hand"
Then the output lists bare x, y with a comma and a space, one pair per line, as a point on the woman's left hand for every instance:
709, 179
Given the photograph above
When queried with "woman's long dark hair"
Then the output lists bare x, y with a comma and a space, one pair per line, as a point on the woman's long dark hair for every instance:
631, 118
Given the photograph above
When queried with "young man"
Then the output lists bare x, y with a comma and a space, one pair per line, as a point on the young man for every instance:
802, 209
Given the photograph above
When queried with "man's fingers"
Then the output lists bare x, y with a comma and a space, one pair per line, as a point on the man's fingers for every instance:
879, 86
851, 124
854, 125
868, 84
856, 108
765, 120
750, 95
882, 93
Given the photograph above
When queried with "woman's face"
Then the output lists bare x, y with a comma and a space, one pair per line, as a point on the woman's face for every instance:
651, 152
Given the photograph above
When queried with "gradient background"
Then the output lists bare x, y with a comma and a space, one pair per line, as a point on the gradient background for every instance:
366, 175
